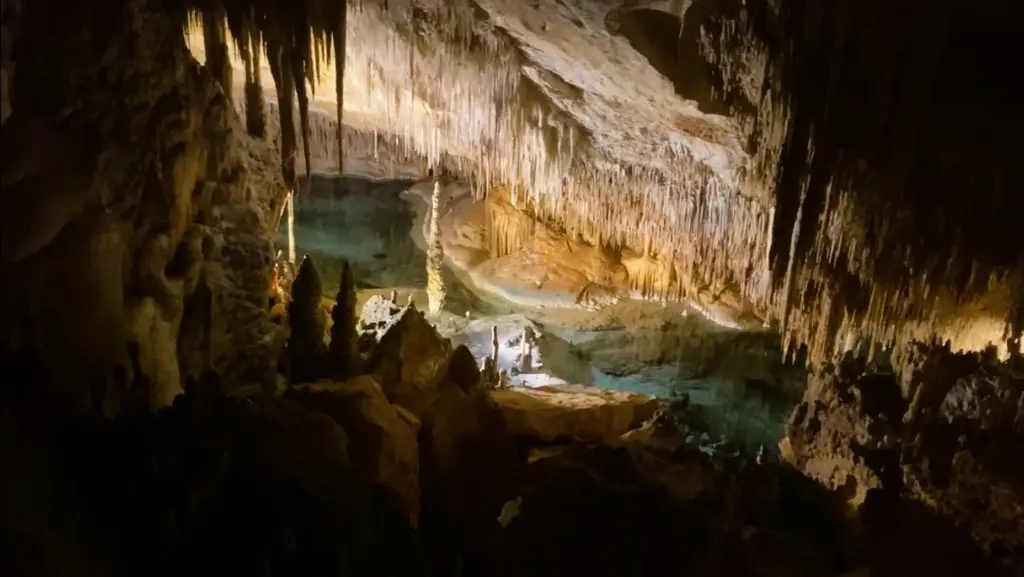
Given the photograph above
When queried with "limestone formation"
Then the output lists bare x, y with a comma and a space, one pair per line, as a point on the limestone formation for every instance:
343, 359
406, 356
681, 190
825, 163
179, 255
306, 350
941, 430
495, 345
435, 256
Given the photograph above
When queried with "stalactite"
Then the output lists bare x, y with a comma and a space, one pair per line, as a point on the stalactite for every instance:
298, 56
495, 126
340, 45
250, 48
435, 256
280, 68
218, 61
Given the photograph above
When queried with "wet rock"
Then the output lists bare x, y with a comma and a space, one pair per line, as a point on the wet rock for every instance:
382, 436
587, 414
940, 431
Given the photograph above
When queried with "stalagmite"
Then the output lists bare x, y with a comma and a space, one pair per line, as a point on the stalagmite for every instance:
290, 208
343, 353
494, 344
305, 318
435, 255
526, 351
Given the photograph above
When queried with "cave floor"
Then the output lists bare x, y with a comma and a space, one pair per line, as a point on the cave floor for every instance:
730, 383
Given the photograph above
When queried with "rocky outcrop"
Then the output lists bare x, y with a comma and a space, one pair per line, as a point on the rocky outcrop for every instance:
382, 436
563, 413
944, 430
407, 355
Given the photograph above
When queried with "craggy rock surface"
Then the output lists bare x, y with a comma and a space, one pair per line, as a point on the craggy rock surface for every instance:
947, 431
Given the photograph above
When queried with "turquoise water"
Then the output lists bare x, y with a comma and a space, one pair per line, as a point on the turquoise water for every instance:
368, 224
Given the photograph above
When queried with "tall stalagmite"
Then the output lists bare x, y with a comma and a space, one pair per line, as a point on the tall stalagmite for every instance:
435, 256
306, 319
290, 209
343, 357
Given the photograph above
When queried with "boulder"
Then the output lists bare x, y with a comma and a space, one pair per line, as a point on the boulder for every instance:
586, 414
382, 436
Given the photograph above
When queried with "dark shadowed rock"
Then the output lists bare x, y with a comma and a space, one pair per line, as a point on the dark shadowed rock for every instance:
471, 466
461, 370
306, 350
382, 436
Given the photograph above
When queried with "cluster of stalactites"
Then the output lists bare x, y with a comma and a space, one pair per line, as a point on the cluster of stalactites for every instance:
452, 90
297, 41
388, 149
508, 229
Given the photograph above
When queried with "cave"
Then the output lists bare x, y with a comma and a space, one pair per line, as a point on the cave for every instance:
490, 288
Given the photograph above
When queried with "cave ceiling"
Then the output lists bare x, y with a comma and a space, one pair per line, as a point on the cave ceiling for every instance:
811, 157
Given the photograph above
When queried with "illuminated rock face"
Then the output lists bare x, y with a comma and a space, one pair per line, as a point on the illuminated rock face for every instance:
808, 184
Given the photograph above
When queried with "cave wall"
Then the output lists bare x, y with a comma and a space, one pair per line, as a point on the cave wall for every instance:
135, 208
895, 205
